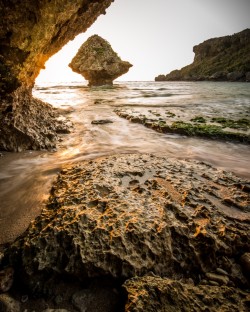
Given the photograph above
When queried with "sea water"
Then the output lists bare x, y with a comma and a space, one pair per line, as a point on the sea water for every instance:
25, 178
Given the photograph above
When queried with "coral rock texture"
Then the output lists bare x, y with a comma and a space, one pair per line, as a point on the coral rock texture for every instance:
98, 63
31, 32
219, 59
125, 216
157, 294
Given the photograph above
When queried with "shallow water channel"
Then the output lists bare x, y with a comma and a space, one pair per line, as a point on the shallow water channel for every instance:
25, 178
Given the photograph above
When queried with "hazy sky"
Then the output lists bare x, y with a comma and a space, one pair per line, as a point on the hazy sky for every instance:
155, 36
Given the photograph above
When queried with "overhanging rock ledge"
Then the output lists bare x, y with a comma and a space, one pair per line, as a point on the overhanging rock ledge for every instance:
30, 33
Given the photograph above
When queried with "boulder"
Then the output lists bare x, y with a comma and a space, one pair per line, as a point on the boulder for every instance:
248, 76
235, 76
98, 63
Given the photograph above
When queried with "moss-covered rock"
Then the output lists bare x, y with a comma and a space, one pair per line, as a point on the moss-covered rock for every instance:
219, 128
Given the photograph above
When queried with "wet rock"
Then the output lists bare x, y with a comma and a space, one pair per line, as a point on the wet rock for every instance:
55, 310
225, 129
237, 275
221, 271
157, 294
222, 280
6, 279
245, 263
98, 63
235, 76
128, 215
101, 122
31, 124
8, 304
46, 27
96, 300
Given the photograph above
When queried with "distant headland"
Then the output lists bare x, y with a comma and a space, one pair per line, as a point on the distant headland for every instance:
217, 59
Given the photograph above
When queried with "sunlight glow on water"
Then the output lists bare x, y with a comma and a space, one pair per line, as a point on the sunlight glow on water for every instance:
26, 177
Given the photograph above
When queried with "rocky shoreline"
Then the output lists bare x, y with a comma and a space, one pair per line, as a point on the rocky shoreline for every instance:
165, 121
138, 232
217, 59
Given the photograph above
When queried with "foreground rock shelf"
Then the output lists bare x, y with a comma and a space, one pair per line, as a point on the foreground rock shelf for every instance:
179, 227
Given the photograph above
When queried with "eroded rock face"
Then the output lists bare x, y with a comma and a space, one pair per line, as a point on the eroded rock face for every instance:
28, 123
98, 63
31, 32
125, 216
157, 294
218, 59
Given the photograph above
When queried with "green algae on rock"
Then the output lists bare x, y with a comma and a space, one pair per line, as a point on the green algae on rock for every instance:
98, 63
218, 59
30, 33
219, 128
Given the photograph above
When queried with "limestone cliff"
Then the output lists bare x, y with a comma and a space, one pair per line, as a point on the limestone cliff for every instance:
31, 32
98, 63
220, 59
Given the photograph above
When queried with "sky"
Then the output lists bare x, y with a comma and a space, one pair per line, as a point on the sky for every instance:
155, 36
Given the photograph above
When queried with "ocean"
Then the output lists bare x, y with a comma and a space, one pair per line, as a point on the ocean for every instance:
25, 178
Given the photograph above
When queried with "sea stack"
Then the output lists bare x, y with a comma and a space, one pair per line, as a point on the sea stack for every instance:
97, 62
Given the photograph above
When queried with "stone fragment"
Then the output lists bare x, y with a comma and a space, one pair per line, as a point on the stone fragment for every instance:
55, 310
8, 304
98, 63
245, 263
6, 279
153, 294
96, 299
235, 76
221, 279
221, 271
101, 121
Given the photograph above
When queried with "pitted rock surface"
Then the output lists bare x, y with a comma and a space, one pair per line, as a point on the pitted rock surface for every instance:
97, 62
152, 294
128, 215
